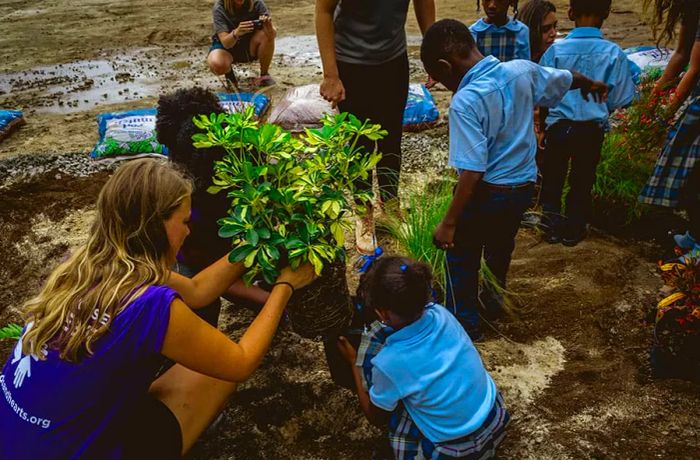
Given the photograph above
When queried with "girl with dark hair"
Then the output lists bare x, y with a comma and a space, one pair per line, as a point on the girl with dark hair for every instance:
418, 371
204, 246
675, 181
540, 16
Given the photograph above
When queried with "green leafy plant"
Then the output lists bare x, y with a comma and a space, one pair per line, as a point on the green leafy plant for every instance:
630, 149
290, 196
412, 231
11, 332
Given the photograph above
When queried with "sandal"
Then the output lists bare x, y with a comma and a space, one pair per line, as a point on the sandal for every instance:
264, 81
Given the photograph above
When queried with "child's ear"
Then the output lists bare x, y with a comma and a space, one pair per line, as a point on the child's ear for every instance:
571, 15
381, 314
444, 67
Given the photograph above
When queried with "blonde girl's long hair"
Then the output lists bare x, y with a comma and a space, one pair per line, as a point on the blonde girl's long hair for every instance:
127, 251
230, 7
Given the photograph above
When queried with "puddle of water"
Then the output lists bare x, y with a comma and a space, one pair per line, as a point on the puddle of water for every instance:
119, 77
81, 85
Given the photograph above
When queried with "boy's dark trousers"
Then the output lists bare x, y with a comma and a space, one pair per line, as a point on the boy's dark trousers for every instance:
487, 226
579, 142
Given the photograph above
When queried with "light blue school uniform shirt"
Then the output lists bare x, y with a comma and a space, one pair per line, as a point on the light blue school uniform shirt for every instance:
434, 369
587, 52
492, 114
507, 42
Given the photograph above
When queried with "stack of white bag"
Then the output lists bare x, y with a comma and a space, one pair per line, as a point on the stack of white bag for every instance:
301, 107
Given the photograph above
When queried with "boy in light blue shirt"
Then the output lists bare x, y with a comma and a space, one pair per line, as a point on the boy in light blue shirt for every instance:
498, 34
493, 146
576, 127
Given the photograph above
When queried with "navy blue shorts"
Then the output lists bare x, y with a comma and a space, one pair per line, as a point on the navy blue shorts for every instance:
240, 51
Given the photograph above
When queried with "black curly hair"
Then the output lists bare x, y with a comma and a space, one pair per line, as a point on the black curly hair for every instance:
398, 284
513, 3
175, 128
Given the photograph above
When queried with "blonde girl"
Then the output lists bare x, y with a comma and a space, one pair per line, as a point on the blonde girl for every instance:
80, 382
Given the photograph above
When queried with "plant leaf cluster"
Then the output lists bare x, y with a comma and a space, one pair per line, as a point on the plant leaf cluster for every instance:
291, 196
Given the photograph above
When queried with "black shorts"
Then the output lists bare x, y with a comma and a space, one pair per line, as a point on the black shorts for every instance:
240, 51
151, 430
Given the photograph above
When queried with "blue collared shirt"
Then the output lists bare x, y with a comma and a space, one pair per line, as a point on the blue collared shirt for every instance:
433, 368
491, 118
508, 42
587, 52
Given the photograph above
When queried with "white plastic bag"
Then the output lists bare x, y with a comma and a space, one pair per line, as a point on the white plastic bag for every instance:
301, 107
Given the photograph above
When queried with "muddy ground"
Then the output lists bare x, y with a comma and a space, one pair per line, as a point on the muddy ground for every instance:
573, 367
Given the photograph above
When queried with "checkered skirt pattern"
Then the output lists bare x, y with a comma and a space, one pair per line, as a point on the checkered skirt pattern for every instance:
678, 159
407, 441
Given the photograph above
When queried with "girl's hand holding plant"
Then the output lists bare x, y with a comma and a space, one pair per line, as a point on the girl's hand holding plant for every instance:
299, 278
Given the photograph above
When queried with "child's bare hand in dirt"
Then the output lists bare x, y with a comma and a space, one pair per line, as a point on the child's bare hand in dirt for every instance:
597, 89
347, 351
332, 90
302, 276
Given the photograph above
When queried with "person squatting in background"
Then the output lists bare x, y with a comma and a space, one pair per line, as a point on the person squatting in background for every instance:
243, 32
500, 35
437, 405
493, 146
576, 127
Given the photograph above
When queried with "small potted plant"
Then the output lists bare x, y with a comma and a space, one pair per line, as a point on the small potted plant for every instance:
291, 199
676, 348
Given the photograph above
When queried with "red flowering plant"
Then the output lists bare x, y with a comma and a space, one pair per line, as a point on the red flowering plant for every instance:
631, 147
677, 319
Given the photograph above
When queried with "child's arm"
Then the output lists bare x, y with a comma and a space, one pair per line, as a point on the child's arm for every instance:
444, 234
597, 89
207, 285
689, 80
374, 414
682, 54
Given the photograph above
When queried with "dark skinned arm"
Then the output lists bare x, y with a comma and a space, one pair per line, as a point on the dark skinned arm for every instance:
597, 89
374, 414
466, 187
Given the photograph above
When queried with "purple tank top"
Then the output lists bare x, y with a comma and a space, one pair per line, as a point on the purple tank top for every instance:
56, 409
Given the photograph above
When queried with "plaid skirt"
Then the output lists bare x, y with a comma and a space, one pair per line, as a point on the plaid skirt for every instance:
677, 161
406, 439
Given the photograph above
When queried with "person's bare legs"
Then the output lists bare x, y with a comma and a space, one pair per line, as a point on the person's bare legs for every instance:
220, 61
262, 47
195, 399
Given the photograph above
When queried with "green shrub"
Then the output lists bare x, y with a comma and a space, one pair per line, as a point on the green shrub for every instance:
290, 196
630, 150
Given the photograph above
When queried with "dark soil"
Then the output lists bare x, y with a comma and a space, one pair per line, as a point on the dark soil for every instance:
591, 299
